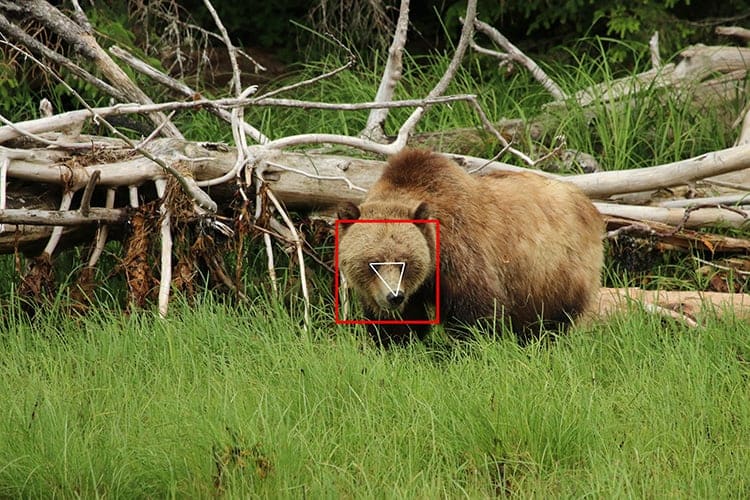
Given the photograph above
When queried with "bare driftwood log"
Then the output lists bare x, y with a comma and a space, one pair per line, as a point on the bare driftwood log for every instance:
704, 76
686, 307
312, 180
79, 36
302, 181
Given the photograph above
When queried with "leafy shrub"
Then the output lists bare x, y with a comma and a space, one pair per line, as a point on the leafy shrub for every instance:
679, 22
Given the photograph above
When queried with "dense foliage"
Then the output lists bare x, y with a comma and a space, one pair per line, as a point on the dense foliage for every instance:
531, 23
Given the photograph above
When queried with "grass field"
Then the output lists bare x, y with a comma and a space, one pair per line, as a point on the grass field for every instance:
219, 400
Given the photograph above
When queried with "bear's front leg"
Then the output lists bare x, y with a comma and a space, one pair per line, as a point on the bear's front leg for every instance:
403, 333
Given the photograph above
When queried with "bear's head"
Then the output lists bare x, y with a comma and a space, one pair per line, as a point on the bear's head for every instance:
386, 263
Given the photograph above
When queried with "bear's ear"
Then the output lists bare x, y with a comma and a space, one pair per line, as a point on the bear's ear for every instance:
422, 212
348, 211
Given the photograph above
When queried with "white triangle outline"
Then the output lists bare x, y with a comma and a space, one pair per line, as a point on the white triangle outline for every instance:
401, 276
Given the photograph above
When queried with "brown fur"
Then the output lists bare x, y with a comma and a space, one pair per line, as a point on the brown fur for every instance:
513, 245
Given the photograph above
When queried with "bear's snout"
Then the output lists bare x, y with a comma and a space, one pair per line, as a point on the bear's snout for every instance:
395, 299
389, 300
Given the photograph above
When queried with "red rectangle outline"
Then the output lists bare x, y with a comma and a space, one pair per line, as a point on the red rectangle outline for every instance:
338, 321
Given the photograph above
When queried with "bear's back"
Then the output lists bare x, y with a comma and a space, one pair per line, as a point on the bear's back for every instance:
423, 174
548, 235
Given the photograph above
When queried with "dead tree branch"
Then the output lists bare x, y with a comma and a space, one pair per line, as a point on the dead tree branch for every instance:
374, 128
181, 88
82, 41
735, 31
515, 54
653, 48
440, 87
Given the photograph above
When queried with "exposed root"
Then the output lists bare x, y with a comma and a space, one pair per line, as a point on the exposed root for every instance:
38, 285
138, 272
731, 275
82, 291
300, 257
183, 276
181, 206
243, 224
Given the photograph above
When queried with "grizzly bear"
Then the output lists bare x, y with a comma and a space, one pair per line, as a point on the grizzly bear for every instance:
516, 248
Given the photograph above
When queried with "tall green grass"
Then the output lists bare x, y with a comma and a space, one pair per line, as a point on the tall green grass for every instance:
237, 401
656, 126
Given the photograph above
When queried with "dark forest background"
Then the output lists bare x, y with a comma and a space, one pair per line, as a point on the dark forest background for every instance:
534, 25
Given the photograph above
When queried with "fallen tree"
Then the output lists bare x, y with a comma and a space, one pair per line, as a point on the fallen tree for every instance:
688, 308
59, 187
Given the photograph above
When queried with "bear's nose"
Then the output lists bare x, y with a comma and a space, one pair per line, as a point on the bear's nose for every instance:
395, 299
